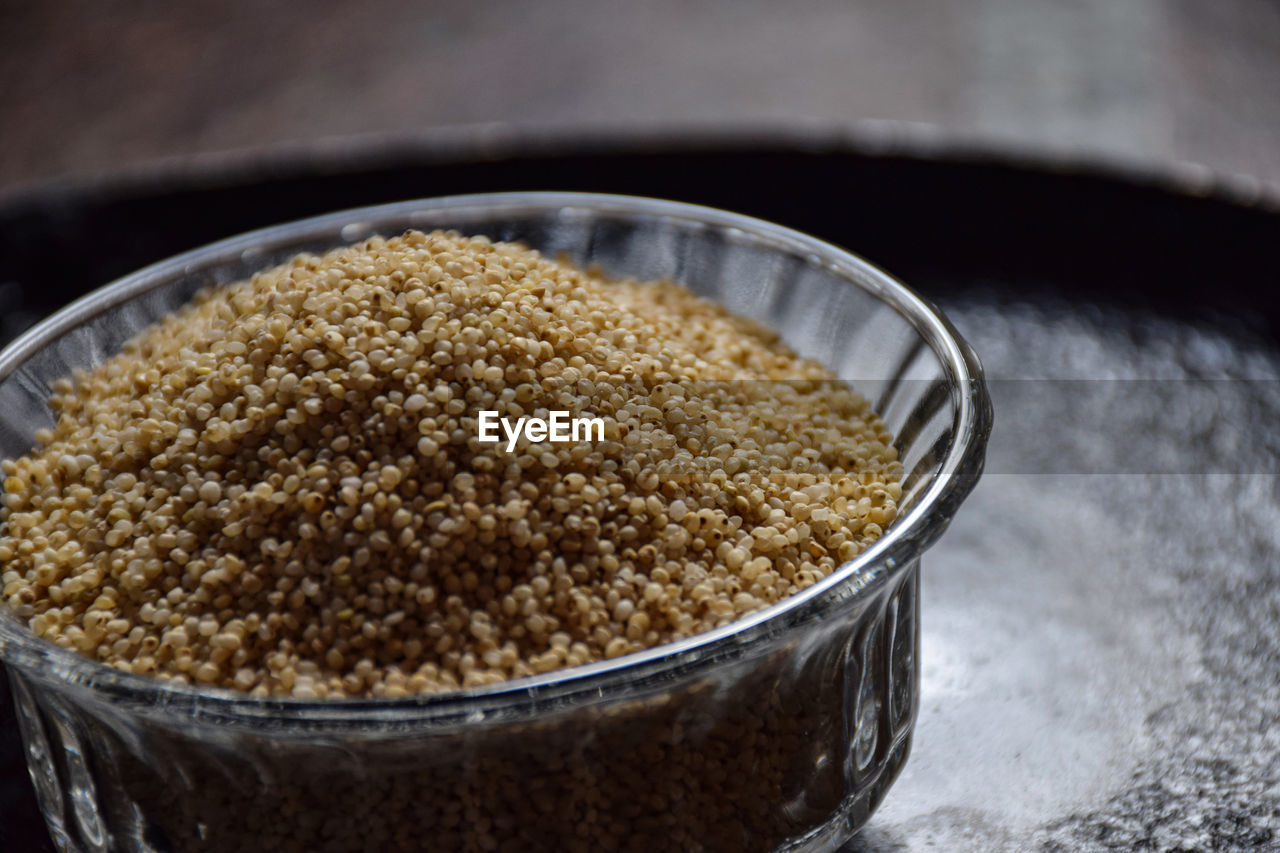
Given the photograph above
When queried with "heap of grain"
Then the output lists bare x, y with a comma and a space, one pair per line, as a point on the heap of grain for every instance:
281, 488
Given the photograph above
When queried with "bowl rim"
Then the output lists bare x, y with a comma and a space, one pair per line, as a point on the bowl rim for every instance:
899, 547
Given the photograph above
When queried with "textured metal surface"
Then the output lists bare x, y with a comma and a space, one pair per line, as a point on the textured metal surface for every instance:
1101, 651
1101, 625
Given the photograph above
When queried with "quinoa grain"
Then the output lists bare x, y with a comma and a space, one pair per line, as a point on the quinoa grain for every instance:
300, 450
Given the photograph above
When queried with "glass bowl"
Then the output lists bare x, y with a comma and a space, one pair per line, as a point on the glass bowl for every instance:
780, 731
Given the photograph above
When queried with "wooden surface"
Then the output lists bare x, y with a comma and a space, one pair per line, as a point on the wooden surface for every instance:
87, 87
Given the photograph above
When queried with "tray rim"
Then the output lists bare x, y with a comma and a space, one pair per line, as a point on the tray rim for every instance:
498, 141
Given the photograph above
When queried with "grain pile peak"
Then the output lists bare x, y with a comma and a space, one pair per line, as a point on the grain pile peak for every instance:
281, 487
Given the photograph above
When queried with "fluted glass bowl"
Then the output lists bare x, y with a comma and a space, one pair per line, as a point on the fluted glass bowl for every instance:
780, 731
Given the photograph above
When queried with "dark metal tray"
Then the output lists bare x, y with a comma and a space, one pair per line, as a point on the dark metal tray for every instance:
1101, 627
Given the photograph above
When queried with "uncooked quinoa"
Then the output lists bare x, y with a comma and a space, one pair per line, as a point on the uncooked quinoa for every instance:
281, 489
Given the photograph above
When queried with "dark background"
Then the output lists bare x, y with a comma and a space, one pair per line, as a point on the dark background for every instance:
88, 86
